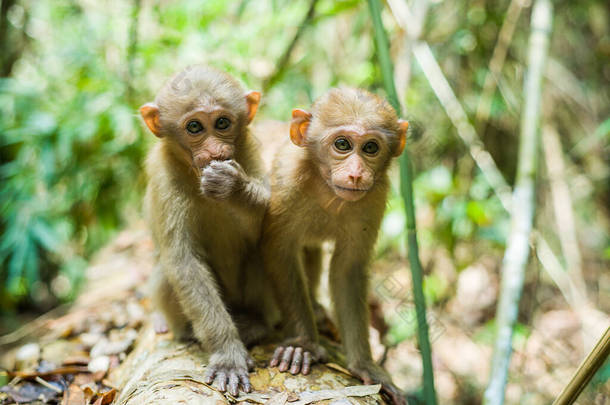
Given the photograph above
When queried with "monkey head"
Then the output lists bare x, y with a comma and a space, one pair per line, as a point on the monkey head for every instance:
351, 135
204, 112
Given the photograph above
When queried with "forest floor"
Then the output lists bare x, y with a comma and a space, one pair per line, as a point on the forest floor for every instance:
91, 339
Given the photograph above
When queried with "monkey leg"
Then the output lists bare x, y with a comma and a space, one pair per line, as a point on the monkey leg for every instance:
349, 288
252, 328
312, 262
285, 266
171, 314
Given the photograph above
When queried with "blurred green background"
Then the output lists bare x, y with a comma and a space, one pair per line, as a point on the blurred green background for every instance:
74, 72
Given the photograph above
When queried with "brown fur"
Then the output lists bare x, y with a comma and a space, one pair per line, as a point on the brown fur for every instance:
307, 208
205, 202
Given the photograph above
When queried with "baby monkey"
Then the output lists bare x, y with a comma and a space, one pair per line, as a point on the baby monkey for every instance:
331, 183
205, 203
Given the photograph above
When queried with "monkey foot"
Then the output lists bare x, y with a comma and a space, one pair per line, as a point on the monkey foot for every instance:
159, 323
297, 359
374, 374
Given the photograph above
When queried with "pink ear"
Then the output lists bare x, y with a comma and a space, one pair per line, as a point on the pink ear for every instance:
150, 114
298, 126
253, 98
402, 136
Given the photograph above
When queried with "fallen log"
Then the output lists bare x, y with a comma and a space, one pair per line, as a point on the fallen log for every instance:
103, 350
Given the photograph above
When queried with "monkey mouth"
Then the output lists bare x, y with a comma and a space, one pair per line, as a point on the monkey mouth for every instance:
349, 194
355, 190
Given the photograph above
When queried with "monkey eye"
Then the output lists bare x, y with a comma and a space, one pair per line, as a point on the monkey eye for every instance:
222, 123
370, 148
342, 144
194, 127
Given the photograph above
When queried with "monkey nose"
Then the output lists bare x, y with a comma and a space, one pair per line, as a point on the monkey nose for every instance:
354, 178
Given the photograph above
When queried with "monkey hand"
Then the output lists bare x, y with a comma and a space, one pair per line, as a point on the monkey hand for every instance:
372, 373
222, 178
229, 368
296, 355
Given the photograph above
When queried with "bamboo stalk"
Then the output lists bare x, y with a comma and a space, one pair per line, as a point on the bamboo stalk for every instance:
517, 249
406, 187
585, 371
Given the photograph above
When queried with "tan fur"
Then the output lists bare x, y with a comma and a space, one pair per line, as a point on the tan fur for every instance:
205, 216
305, 210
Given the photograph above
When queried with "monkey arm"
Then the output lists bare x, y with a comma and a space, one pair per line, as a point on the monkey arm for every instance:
202, 304
227, 180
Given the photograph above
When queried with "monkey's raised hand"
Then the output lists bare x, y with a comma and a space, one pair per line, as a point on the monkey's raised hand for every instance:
222, 178
230, 369
371, 373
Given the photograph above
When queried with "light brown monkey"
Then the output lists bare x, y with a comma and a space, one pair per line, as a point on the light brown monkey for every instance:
205, 203
331, 184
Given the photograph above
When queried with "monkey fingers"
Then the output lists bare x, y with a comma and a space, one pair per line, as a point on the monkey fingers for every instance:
306, 363
291, 359
277, 355
228, 380
286, 358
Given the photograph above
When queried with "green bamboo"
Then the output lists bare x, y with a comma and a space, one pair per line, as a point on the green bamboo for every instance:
406, 188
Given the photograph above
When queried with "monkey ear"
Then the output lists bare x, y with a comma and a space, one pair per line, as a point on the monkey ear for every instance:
298, 126
150, 114
402, 136
252, 99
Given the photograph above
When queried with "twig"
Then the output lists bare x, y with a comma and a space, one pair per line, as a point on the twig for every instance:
562, 204
517, 248
497, 59
283, 61
406, 188
46, 384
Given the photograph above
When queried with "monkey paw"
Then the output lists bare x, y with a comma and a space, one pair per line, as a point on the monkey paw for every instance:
297, 356
229, 370
220, 179
371, 373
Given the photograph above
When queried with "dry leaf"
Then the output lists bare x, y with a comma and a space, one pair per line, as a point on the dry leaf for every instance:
74, 396
106, 398
278, 399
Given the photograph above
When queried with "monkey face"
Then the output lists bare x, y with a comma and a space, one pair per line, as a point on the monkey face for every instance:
351, 157
209, 133
353, 135
204, 111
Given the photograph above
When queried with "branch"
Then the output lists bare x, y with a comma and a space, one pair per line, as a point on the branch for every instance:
497, 59
283, 61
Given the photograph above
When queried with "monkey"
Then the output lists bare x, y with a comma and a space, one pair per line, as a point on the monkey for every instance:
205, 201
330, 183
